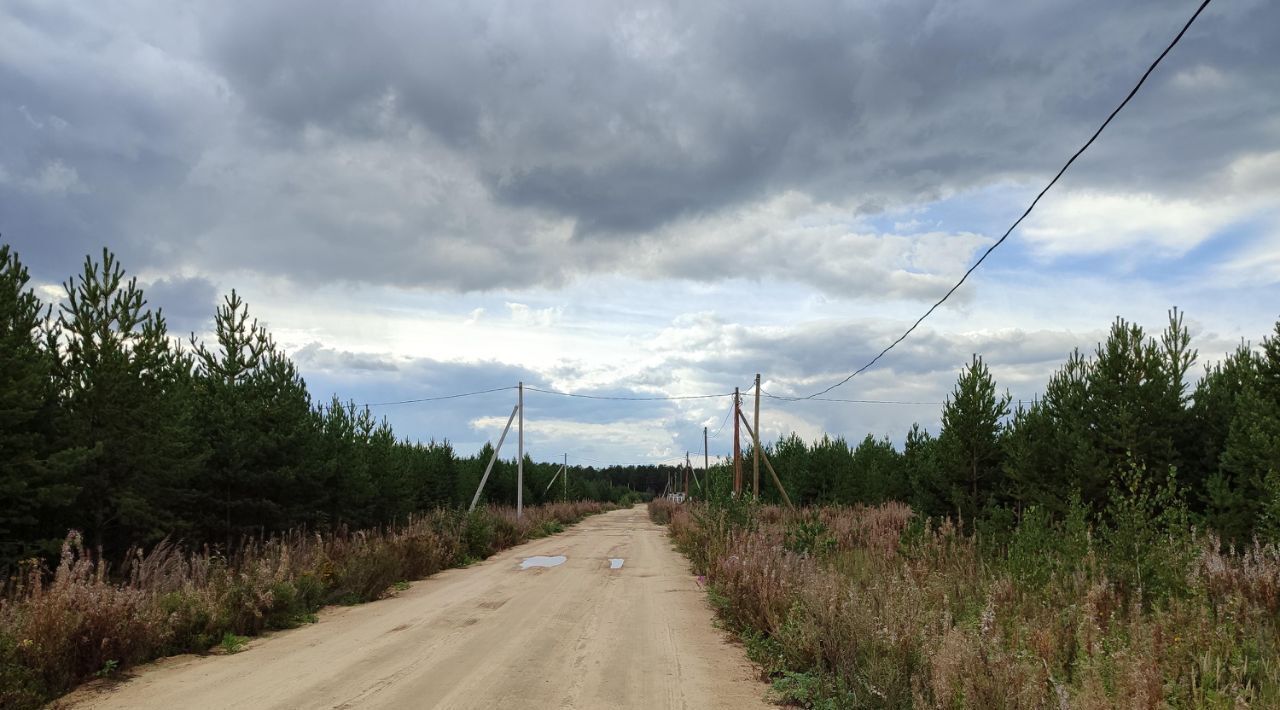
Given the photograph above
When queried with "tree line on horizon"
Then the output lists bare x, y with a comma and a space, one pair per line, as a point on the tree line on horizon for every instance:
112, 426
1117, 423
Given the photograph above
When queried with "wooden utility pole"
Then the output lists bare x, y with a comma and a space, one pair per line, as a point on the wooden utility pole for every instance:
566, 476
520, 459
687, 469
755, 465
706, 459
767, 465
737, 444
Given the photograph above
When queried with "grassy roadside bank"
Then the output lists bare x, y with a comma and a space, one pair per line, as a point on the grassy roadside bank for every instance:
60, 630
870, 607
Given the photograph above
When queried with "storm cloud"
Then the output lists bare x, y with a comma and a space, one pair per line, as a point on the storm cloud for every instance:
482, 145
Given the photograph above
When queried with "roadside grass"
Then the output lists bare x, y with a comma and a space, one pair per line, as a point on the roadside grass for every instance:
871, 607
88, 619
231, 643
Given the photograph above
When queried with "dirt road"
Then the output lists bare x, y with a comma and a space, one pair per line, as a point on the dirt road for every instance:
578, 635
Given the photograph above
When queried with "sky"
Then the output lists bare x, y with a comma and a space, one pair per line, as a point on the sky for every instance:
652, 199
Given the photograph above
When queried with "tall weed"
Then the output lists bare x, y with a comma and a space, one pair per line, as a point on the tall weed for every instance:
83, 620
869, 607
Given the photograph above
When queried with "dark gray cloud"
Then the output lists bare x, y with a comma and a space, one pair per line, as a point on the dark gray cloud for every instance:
188, 303
463, 146
628, 116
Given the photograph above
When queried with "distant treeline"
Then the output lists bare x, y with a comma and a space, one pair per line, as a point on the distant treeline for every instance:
1120, 420
110, 426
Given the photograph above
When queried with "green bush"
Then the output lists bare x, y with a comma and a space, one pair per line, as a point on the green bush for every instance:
479, 537
809, 536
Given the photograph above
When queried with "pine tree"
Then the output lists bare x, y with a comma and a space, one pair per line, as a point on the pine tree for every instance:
339, 488
831, 463
35, 466
1216, 399
438, 476
791, 460
880, 468
1270, 369
970, 457
1137, 397
920, 461
1067, 456
1027, 459
128, 401
253, 415
1241, 493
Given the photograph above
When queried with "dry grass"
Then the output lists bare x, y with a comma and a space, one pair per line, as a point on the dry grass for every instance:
864, 607
59, 629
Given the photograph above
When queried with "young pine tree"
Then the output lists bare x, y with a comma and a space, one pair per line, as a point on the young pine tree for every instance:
920, 463
969, 455
1242, 494
254, 415
36, 489
128, 399
880, 468
1137, 398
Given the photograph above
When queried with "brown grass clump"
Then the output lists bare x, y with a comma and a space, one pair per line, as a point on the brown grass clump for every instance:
868, 607
59, 629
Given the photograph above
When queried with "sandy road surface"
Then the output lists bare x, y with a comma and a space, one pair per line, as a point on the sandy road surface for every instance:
580, 635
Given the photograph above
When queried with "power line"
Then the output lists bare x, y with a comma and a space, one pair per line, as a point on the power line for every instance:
628, 399
849, 401
1030, 207
437, 399
722, 423
657, 462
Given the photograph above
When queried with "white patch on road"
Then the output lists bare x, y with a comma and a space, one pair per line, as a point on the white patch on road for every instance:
542, 561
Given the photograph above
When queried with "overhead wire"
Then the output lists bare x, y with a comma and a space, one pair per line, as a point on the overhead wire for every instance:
784, 398
627, 399
722, 423
437, 399
1001, 240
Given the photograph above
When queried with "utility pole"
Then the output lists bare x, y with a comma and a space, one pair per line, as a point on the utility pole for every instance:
706, 463
566, 476
737, 444
686, 476
520, 459
755, 465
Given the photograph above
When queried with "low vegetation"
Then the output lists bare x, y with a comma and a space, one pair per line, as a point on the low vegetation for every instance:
873, 607
88, 620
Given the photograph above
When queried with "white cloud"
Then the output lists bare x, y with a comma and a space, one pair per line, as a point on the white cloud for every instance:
1201, 77
1090, 222
522, 314
53, 178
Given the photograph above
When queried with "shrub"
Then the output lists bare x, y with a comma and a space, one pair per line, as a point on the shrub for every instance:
61, 629
900, 612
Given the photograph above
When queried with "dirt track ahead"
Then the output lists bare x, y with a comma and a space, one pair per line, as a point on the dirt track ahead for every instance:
580, 635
